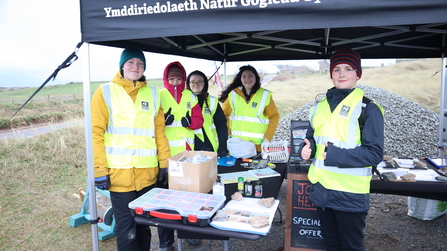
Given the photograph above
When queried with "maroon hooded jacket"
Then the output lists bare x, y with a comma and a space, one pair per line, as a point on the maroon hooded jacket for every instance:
176, 92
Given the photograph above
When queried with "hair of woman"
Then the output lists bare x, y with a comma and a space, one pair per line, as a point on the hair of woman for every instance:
237, 82
205, 84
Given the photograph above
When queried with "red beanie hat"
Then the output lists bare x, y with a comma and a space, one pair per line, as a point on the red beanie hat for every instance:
175, 71
347, 56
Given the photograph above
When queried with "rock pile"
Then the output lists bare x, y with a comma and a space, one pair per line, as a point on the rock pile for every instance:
411, 130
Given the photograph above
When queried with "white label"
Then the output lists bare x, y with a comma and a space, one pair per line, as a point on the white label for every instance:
175, 169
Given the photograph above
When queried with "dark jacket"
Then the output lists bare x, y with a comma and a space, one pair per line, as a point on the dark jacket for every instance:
369, 153
220, 121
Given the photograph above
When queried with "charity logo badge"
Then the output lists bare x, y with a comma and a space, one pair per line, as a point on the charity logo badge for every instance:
144, 105
188, 105
344, 111
254, 105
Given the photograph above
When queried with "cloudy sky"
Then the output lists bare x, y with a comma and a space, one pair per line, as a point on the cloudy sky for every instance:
38, 35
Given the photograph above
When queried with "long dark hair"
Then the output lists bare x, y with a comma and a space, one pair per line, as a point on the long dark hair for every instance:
238, 82
205, 84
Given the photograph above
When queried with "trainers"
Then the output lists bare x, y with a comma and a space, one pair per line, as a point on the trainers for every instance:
193, 242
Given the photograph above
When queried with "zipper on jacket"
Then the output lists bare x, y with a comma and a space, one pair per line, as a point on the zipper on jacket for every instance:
175, 93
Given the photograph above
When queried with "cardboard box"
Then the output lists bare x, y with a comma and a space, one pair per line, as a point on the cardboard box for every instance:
192, 177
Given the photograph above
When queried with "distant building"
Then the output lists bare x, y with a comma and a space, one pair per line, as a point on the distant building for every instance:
323, 66
296, 70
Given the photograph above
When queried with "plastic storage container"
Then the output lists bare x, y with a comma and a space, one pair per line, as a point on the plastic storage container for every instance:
189, 207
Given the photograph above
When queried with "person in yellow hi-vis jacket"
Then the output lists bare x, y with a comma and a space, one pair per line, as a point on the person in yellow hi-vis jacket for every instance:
129, 144
183, 115
214, 133
250, 110
346, 140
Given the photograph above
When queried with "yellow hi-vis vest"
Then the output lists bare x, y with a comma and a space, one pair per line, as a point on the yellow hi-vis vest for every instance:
247, 121
176, 133
130, 134
208, 123
342, 129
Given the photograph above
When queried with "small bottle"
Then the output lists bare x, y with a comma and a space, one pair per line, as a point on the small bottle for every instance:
218, 187
258, 189
240, 185
248, 188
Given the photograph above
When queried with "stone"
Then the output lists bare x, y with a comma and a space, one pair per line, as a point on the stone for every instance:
267, 202
420, 164
388, 158
442, 178
220, 216
259, 221
389, 176
408, 176
237, 196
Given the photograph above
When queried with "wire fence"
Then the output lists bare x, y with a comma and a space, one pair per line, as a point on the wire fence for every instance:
58, 97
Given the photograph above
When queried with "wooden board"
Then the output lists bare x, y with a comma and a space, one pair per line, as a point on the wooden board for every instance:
302, 219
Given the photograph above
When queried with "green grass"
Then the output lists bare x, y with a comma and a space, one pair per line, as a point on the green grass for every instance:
54, 90
47, 104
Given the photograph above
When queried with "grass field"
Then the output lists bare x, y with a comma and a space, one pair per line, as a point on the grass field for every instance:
39, 175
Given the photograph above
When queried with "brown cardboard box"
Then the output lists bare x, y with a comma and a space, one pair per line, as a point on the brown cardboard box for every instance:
192, 177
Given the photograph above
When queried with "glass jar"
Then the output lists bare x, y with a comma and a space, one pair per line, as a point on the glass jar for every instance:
240, 185
258, 189
248, 188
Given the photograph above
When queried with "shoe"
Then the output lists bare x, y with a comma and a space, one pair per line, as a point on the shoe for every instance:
166, 248
193, 242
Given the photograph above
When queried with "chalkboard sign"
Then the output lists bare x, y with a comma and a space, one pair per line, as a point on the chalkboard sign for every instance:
302, 222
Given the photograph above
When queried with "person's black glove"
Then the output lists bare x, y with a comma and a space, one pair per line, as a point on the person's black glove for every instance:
169, 118
186, 121
102, 182
162, 178
222, 153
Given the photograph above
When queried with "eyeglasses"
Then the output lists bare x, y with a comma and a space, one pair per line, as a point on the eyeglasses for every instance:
198, 83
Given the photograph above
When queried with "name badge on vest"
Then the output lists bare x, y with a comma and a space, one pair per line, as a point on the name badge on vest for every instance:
144, 105
207, 110
188, 105
344, 111
254, 104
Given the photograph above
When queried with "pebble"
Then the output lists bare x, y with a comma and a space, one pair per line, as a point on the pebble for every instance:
411, 130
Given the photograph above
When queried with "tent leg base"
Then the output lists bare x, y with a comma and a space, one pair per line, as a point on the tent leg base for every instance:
77, 220
104, 235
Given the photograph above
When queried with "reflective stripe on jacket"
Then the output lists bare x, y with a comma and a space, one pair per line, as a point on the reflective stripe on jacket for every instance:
130, 136
208, 123
178, 135
247, 120
342, 129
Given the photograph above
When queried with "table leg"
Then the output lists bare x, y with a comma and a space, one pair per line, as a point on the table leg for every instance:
179, 244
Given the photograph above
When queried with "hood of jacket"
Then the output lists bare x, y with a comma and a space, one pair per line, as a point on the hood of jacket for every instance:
179, 88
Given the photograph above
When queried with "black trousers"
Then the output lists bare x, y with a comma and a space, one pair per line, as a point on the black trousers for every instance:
165, 235
342, 230
129, 235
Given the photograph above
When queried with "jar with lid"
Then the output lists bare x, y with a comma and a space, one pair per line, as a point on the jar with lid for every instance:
240, 185
248, 188
258, 189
